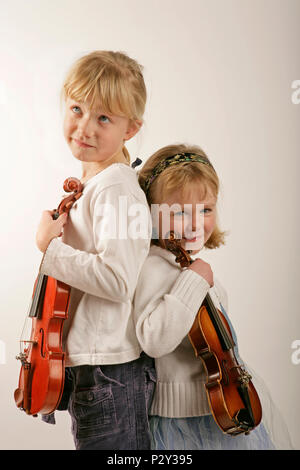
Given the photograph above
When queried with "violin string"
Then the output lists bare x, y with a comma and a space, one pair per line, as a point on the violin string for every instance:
223, 331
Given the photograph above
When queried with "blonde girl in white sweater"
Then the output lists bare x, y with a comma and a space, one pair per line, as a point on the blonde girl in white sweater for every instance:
108, 377
167, 300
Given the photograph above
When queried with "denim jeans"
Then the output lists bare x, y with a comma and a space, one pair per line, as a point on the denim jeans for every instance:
109, 404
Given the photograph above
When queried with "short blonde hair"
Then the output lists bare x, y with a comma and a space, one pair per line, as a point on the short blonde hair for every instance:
181, 176
112, 79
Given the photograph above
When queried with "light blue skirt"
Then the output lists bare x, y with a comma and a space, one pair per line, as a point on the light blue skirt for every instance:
202, 433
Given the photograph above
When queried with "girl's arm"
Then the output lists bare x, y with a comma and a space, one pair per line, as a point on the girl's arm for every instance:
164, 317
112, 272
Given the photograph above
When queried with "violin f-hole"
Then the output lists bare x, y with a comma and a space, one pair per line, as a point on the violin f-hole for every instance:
43, 353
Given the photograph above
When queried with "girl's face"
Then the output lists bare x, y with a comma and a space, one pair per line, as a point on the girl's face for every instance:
94, 136
192, 217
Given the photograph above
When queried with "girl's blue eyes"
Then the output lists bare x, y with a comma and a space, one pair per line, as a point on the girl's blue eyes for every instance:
204, 211
179, 213
102, 118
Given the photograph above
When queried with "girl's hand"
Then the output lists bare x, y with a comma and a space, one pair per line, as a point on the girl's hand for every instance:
203, 269
49, 229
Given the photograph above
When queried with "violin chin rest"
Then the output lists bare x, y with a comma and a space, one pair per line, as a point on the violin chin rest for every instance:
19, 397
244, 419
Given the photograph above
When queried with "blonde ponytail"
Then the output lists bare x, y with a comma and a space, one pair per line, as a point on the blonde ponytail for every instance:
126, 154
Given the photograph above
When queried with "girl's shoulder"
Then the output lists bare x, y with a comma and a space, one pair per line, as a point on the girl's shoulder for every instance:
161, 256
158, 267
117, 179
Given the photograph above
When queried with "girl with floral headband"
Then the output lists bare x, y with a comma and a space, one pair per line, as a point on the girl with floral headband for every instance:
109, 380
182, 180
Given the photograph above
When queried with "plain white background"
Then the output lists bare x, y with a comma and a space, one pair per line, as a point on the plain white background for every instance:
219, 74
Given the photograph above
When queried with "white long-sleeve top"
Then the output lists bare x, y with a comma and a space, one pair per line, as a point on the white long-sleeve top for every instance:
166, 302
101, 263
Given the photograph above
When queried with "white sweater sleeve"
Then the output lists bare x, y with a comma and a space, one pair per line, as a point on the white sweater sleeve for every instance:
110, 273
164, 319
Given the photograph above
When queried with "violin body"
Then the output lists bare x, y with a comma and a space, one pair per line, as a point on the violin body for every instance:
229, 388
41, 379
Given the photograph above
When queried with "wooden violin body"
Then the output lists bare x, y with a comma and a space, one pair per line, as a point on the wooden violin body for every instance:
41, 379
232, 397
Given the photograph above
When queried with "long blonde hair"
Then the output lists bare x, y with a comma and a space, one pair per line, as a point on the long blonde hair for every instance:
112, 79
181, 176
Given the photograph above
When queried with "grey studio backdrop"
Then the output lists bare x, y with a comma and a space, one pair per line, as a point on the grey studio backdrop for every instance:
223, 74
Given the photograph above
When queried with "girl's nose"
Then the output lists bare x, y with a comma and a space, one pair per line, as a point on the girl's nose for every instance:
86, 128
194, 222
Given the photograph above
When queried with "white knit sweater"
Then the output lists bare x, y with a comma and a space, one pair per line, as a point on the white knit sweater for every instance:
166, 302
102, 271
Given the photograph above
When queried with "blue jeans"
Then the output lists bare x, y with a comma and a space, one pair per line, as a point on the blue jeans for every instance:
109, 404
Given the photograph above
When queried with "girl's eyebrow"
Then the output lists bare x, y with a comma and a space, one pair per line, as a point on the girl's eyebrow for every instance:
98, 112
211, 200
73, 101
210, 203
204, 203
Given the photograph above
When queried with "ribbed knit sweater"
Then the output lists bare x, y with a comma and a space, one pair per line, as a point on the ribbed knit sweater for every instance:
166, 302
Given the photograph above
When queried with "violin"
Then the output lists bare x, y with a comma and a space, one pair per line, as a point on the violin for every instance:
232, 397
41, 379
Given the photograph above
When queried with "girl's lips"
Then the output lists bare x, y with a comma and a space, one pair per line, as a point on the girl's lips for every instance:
191, 239
81, 144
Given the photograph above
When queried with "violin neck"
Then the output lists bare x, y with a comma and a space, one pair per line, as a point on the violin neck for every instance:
38, 297
226, 341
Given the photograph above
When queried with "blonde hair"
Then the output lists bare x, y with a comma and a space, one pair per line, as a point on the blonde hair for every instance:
112, 79
181, 176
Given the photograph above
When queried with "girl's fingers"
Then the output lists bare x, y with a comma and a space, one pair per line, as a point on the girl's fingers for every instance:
63, 219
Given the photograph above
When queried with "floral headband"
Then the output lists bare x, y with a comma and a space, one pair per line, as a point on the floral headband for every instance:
173, 160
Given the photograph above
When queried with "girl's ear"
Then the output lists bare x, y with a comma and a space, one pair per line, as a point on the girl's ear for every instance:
133, 128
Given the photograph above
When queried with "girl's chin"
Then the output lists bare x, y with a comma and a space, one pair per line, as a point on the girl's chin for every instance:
194, 247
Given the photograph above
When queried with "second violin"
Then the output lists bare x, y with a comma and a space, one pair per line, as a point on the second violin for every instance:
232, 397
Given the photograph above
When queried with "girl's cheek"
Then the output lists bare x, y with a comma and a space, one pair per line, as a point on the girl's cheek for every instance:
209, 225
66, 126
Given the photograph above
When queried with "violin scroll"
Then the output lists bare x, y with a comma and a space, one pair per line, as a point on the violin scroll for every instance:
72, 185
173, 244
75, 186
